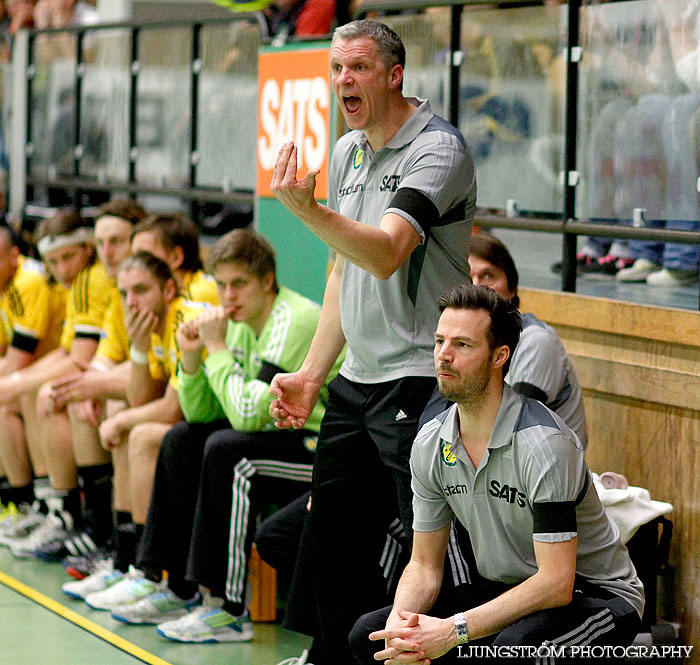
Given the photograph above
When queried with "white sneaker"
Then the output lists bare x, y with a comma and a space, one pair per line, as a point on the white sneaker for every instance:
207, 624
22, 525
638, 272
154, 609
672, 277
300, 660
103, 578
53, 528
127, 591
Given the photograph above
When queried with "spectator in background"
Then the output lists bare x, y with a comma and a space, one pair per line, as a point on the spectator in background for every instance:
300, 18
284, 18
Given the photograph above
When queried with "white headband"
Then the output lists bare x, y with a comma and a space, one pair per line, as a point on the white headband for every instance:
49, 243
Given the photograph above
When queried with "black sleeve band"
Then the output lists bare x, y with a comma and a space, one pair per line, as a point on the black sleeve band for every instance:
554, 517
94, 336
417, 205
24, 342
267, 371
528, 390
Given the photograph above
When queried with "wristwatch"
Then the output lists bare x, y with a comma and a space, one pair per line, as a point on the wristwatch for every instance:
461, 628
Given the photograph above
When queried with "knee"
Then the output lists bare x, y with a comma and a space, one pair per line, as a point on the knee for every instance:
176, 437
360, 644
143, 443
222, 445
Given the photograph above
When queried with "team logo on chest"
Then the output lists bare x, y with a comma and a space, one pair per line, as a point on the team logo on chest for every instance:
358, 157
448, 457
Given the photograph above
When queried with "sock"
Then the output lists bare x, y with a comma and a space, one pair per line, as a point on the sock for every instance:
4, 486
126, 543
236, 609
17, 495
181, 587
97, 490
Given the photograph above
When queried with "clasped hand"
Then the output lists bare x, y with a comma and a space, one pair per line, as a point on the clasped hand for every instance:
413, 638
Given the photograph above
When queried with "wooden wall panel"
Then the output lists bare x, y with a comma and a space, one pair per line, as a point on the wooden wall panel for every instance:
639, 368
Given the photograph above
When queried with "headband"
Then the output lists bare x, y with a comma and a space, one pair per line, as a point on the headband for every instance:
49, 243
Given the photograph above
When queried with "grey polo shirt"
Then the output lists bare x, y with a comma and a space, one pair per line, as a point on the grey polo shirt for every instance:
426, 175
532, 484
541, 361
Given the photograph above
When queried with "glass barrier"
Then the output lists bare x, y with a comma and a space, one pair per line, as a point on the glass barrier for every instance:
427, 40
228, 92
638, 143
511, 104
52, 110
105, 106
163, 107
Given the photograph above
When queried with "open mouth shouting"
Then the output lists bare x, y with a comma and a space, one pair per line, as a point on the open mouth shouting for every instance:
352, 104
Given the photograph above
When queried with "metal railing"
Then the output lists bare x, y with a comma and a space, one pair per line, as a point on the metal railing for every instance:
22, 176
567, 224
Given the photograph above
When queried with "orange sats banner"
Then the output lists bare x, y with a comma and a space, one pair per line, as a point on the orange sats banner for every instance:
294, 104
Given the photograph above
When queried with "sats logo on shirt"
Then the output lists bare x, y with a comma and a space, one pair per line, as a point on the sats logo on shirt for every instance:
448, 457
507, 493
390, 183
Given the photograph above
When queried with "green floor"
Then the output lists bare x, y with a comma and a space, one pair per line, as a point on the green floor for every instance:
31, 634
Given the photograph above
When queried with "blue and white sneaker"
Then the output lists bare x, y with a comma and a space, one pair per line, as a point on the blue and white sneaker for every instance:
209, 624
127, 591
154, 609
103, 578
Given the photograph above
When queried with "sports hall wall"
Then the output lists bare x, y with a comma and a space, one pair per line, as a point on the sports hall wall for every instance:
639, 369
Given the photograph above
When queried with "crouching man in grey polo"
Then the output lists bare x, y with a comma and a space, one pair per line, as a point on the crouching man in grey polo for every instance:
553, 570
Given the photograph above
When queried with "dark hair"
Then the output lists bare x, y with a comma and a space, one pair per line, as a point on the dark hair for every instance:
248, 248
491, 249
147, 261
389, 45
175, 231
126, 209
506, 323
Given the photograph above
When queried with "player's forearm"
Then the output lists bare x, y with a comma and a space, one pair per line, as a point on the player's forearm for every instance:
32, 377
142, 387
328, 340
418, 588
111, 383
162, 410
539, 592
368, 247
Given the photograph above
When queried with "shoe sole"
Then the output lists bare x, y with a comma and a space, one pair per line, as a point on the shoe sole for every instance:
209, 640
75, 573
72, 594
171, 616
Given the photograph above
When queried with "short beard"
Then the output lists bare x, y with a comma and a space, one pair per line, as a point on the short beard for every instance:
470, 393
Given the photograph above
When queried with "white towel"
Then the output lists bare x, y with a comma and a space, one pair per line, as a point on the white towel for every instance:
630, 508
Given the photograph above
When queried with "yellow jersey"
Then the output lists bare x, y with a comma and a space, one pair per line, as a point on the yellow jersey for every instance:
164, 354
32, 310
88, 299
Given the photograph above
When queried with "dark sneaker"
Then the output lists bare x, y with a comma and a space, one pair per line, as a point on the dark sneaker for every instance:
582, 260
76, 543
82, 565
605, 267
